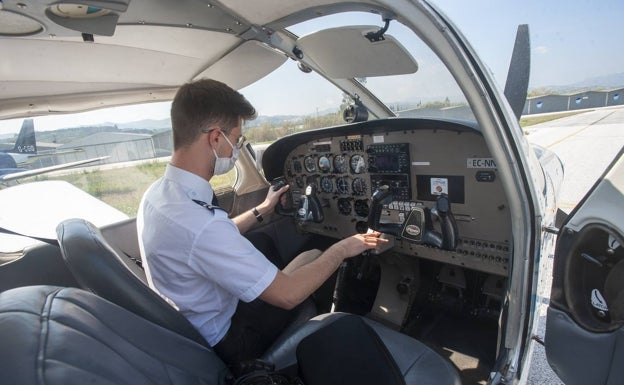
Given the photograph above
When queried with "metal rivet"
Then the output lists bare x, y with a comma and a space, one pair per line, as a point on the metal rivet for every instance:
21, 5
189, 25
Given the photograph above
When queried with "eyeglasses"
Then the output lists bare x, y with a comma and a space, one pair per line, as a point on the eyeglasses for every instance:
239, 143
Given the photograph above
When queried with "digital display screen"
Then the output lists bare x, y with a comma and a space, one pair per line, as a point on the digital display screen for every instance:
387, 162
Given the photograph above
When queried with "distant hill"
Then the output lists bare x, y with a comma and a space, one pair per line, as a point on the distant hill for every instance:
146, 124
600, 82
272, 120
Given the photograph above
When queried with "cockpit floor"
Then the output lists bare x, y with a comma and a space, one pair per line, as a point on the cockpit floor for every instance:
470, 343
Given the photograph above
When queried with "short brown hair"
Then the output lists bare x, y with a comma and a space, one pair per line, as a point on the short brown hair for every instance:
204, 103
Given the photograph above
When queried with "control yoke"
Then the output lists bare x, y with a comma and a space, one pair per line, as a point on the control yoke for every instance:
418, 226
309, 207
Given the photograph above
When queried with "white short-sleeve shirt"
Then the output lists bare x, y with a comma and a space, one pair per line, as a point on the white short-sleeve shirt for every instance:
196, 257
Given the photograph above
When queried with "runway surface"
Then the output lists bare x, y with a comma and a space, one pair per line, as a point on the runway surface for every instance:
586, 144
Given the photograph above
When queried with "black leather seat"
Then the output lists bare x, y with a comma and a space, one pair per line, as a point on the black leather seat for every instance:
416, 362
98, 267
68, 336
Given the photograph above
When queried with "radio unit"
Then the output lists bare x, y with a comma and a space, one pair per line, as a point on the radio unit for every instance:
389, 165
388, 158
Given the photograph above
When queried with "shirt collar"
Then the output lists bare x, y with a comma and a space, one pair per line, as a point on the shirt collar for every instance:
195, 186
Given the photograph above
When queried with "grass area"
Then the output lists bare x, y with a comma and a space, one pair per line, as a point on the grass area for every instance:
531, 119
123, 188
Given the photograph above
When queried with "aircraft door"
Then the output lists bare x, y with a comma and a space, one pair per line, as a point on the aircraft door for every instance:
584, 327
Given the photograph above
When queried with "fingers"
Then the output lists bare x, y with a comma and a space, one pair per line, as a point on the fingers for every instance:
274, 196
373, 240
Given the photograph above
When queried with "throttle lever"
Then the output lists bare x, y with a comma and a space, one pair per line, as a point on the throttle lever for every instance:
382, 196
310, 207
442, 210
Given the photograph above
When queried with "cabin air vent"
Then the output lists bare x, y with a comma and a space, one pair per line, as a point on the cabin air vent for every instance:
88, 17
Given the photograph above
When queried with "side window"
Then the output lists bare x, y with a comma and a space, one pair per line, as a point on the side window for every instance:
224, 181
127, 148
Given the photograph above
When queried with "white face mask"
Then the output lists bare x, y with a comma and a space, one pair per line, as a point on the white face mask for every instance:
223, 165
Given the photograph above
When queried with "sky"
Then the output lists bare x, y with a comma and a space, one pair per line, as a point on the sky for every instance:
571, 41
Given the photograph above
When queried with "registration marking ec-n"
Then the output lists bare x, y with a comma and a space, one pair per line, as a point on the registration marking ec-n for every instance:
480, 163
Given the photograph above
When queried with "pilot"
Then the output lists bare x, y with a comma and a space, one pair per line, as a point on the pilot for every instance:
196, 257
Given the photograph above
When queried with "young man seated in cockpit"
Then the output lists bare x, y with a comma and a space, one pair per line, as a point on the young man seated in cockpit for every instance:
197, 257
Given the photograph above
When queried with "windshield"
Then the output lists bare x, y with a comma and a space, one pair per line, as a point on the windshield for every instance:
429, 92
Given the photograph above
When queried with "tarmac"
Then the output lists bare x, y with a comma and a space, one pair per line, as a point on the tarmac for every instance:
586, 144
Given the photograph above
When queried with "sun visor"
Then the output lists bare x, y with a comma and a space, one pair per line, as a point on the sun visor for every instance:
346, 52
245, 65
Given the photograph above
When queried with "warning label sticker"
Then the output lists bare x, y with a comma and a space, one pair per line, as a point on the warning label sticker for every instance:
439, 186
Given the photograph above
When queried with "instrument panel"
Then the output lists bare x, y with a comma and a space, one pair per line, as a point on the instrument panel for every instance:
417, 164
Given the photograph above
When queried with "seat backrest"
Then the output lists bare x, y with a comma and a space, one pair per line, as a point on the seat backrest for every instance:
99, 268
89, 340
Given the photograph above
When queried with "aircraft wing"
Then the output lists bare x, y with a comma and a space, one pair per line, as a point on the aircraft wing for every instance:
38, 171
24, 160
46, 204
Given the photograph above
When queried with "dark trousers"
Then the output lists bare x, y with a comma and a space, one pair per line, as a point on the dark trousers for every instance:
255, 325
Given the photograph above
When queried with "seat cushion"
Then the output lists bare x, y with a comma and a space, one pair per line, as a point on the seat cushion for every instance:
346, 351
52, 335
415, 361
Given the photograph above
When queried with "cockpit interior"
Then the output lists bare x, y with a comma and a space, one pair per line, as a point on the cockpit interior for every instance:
432, 188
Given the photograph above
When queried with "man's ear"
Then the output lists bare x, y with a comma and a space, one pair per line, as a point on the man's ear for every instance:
213, 137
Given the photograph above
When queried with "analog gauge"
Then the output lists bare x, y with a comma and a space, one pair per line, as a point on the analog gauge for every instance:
327, 185
309, 163
358, 186
342, 185
297, 166
361, 227
344, 206
358, 165
340, 164
299, 181
361, 207
324, 164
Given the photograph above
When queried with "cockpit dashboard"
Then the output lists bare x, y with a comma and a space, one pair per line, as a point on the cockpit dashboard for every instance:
418, 160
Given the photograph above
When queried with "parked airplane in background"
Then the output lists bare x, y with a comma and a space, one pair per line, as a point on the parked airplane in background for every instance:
24, 148
15, 160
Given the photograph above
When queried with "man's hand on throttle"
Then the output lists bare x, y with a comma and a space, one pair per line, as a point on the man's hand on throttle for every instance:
358, 243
